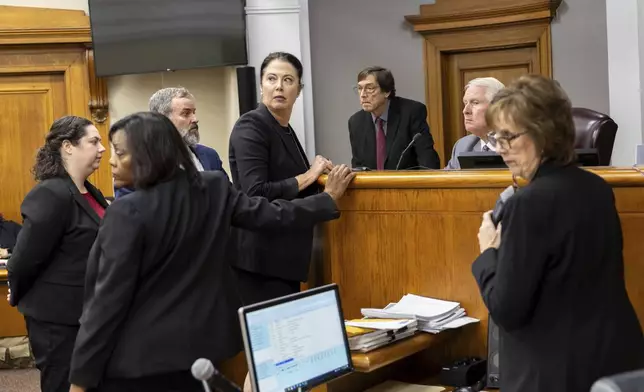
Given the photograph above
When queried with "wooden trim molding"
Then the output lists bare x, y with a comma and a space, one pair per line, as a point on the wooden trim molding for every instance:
469, 13
29, 25
500, 178
98, 102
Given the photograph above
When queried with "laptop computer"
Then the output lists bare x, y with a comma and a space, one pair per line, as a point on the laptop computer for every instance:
296, 342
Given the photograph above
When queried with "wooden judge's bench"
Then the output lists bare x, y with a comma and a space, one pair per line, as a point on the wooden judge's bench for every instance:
416, 232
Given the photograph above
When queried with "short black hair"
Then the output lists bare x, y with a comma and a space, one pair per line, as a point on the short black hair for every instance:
284, 56
383, 76
157, 149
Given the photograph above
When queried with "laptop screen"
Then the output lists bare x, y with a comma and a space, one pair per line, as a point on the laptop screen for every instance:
296, 342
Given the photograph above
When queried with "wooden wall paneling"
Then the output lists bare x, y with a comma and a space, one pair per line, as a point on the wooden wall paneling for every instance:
495, 30
48, 51
31, 25
98, 108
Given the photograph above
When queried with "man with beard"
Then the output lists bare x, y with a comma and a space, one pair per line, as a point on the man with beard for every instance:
178, 104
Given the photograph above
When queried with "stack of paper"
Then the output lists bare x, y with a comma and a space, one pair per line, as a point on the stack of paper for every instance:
433, 315
368, 334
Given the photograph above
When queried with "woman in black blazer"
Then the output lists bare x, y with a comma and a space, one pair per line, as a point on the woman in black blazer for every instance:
159, 293
552, 273
61, 215
267, 159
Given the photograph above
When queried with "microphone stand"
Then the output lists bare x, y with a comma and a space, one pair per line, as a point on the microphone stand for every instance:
413, 140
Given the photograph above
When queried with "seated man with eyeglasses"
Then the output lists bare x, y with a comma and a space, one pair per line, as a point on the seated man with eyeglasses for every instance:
390, 132
478, 95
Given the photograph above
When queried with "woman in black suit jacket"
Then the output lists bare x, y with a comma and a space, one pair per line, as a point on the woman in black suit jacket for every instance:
267, 159
61, 216
552, 273
159, 293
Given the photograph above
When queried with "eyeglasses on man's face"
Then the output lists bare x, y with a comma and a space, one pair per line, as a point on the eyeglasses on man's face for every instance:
368, 89
503, 139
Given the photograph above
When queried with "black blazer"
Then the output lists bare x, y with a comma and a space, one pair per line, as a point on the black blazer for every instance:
159, 291
264, 161
556, 285
47, 268
405, 119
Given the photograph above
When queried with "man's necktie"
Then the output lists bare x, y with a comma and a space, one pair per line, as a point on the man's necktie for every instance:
486, 148
381, 144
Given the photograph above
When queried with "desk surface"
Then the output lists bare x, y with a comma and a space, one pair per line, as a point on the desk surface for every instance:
376, 359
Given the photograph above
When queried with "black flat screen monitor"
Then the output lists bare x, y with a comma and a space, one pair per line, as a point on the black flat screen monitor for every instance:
492, 160
296, 342
140, 36
587, 157
481, 160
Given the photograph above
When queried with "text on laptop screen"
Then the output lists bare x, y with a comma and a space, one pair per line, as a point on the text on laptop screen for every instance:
297, 342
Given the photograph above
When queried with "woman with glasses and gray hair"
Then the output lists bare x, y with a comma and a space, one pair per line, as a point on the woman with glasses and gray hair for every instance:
552, 272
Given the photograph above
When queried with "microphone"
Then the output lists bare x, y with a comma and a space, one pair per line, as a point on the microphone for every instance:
203, 370
413, 140
497, 212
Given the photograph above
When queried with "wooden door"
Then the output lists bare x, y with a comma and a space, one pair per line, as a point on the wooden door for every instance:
46, 72
28, 106
465, 39
503, 64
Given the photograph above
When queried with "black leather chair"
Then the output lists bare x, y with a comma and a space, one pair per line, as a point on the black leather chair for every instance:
595, 130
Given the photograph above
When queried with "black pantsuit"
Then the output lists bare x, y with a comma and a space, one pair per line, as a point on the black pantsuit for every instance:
182, 381
52, 345
254, 288
47, 271
265, 158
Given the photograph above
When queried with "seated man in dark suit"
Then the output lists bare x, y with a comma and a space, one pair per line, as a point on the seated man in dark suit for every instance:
178, 104
8, 235
478, 95
387, 124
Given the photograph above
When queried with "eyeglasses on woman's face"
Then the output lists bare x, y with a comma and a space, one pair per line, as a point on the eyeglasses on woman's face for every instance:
503, 139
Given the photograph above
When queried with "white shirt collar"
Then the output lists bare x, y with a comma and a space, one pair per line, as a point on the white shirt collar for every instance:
483, 143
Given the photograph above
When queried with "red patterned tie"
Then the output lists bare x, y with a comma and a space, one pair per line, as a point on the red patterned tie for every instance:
381, 144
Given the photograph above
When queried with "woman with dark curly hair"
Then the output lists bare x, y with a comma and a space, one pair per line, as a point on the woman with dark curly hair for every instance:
61, 216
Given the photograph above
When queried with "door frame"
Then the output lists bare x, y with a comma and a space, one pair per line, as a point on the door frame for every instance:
450, 26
